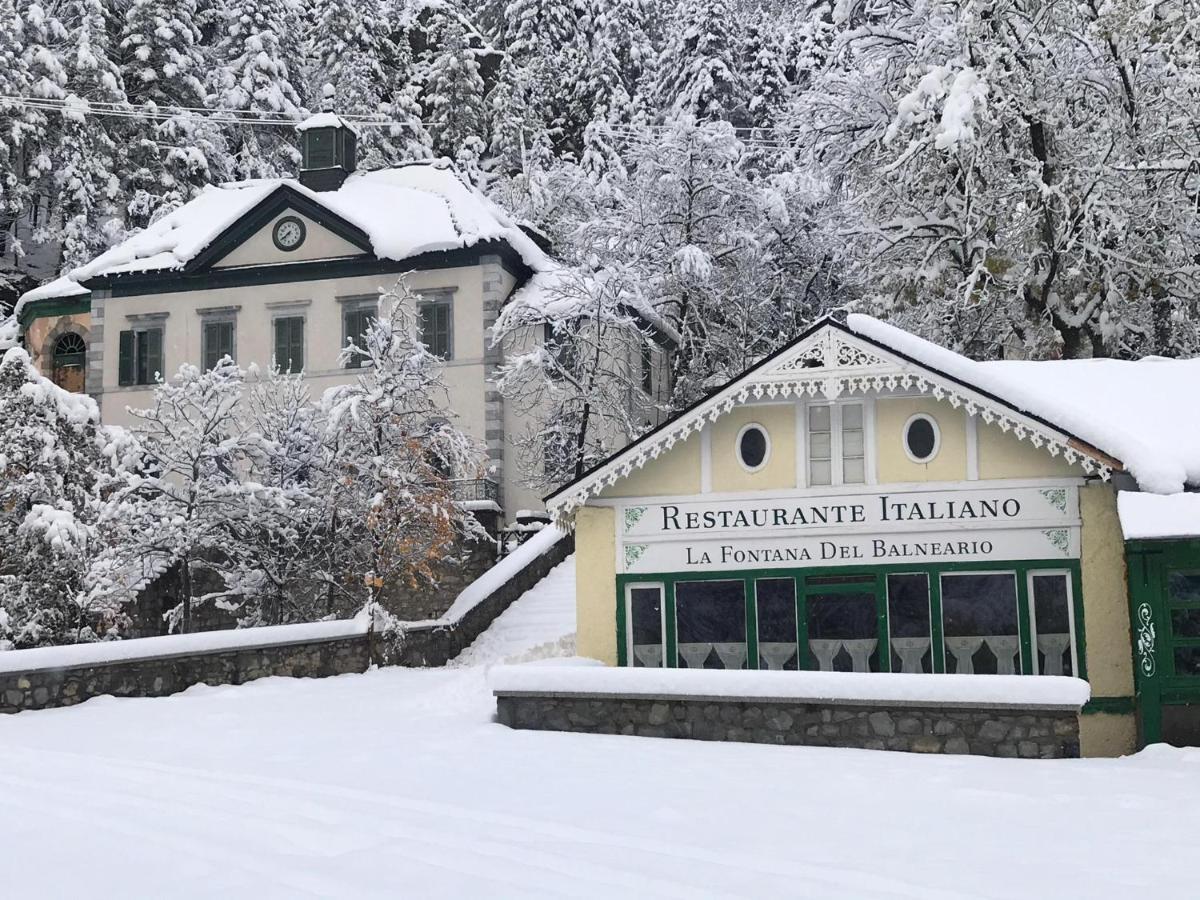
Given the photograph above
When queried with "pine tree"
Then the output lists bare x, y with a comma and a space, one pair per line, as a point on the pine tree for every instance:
698, 68
252, 72
454, 93
85, 154
18, 129
163, 164
353, 52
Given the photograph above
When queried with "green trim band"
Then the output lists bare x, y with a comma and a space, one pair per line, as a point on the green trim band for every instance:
1116, 706
54, 306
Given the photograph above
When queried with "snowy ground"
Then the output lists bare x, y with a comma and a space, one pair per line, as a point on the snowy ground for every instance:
396, 783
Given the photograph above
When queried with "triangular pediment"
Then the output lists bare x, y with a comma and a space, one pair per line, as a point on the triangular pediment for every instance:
829, 361
266, 235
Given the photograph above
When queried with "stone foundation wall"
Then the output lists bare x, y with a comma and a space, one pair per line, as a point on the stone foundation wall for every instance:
1046, 733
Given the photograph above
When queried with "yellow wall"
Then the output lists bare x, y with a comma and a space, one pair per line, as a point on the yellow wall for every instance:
1107, 734
893, 464
1105, 598
40, 337
779, 421
1004, 455
596, 583
675, 472
259, 249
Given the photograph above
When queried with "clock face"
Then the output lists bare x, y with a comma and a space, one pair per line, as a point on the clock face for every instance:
289, 233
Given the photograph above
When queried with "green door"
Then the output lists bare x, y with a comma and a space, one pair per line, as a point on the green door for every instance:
1164, 581
843, 623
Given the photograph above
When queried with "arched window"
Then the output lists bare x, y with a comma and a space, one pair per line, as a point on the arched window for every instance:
70, 353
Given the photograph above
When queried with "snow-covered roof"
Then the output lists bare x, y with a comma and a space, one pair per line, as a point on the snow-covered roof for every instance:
1099, 414
1158, 516
404, 211
325, 120
1139, 412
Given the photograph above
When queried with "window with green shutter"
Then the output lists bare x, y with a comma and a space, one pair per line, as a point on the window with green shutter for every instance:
217, 343
355, 322
140, 356
436, 327
289, 343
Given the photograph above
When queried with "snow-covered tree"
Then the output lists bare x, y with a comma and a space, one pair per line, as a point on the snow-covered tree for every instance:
454, 93
52, 457
164, 163
19, 126
698, 72
84, 152
575, 350
354, 53
253, 72
178, 508
392, 455
1017, 177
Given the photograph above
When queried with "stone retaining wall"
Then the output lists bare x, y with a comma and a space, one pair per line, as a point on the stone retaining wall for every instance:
431, 644
1043, 732
163, 675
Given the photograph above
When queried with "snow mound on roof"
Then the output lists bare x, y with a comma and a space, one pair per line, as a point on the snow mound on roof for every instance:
325, 120
404, 211
1133, 411
1156, 516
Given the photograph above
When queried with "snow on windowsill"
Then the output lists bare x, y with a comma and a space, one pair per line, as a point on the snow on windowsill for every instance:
1158, 516
74, 655
1024, 691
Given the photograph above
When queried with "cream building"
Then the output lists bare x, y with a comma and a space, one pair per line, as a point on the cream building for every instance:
288, 271
866, 501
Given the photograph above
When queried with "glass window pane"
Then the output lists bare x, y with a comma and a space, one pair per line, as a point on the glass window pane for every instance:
1052, 623
852, 417
842, 632
1183, 587
908, 622
853, 471
819, 472
818, 418
777, 648
645, 627
710, 619
1187, 660
852, 443
819, 446
1185, 623
979, 620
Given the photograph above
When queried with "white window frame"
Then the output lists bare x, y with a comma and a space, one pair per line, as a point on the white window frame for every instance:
1016, 608
937, 438
836, 458
737, 447
1033, 648
662, 616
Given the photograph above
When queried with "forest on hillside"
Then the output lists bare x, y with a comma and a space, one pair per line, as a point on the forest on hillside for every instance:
1007, 177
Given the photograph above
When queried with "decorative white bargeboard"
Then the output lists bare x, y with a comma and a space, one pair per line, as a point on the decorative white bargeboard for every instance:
875, 527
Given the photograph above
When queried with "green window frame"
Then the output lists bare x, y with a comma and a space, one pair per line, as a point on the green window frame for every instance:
139, 356
869, 578
217, 341
437, 327
356, 320
289, 343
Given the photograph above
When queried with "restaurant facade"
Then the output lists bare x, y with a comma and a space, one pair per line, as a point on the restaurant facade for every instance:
862, 502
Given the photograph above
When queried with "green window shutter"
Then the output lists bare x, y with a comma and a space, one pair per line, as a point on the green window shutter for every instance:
209, 341
153, 340
125, 373
296, 350
282, 355
225, 332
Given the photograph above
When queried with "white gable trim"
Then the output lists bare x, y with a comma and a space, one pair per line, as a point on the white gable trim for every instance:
830, 363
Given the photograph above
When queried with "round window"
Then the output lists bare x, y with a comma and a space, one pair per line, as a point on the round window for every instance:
753, 447
921, 438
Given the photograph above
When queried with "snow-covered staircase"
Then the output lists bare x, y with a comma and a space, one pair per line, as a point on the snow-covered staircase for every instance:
540, 623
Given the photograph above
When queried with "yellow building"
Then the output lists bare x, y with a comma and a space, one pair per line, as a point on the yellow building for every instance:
864, 501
